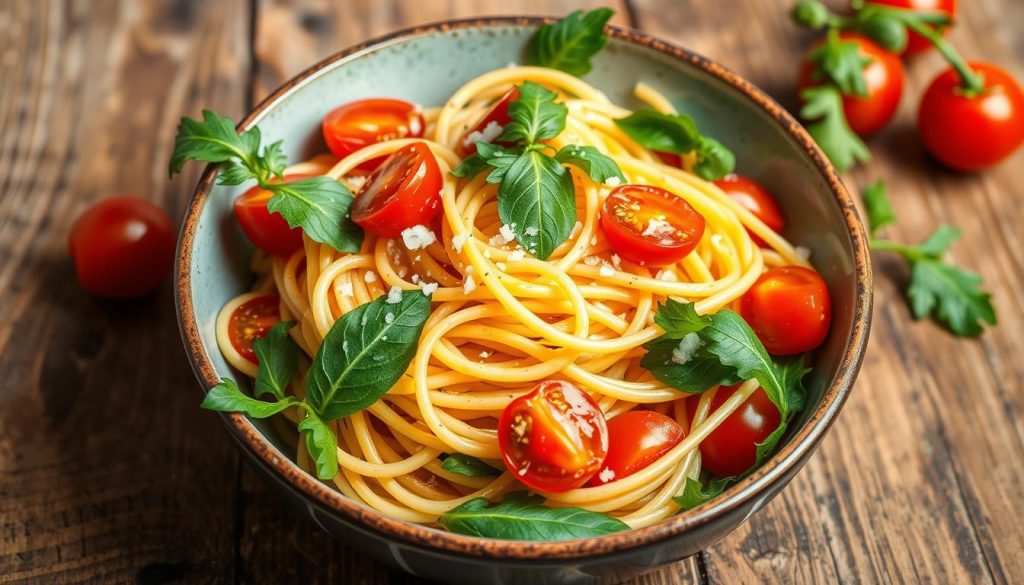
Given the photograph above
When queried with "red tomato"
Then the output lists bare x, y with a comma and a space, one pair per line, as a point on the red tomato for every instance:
122, 247
968, 133
649, 225
755, 199
883, 77
251, 321
498, 115
670, 158
635, 440
554, 438
404, 191
731, 449
915, 42
268, 231
789, 309
361, 123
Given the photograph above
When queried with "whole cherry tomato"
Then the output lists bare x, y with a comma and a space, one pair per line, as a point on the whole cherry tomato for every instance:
635, 440
251, 321
649, 225
755, 199
267, 231
403, 192
361, 123
731, 449
553, 439
789, 309
123, 247
971, 132
490, 125
883, 77
916, 43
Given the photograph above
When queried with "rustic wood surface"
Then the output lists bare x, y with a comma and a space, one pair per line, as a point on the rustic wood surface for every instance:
110, 473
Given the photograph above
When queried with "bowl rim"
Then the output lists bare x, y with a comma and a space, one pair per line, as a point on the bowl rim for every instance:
788, 459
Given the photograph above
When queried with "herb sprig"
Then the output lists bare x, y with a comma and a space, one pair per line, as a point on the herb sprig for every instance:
570, 43
678, 133
525, 517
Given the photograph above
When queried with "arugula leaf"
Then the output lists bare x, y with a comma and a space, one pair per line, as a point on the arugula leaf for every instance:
823, 106
569, 43
599, 167
468, 466
876, 203
321, 443
320, 206
951, 295
841, 62
696, 492
365, 353
226, 397
678, 133
939, 242
535, 116
278, 356
537, 200
791, 375
526, 518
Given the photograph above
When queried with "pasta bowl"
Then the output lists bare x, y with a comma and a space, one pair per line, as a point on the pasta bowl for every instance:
425, 65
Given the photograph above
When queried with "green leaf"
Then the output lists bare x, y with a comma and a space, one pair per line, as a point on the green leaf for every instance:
537, 200
791, 374
570, 43
679, 319
730, 338
823, 107
321, 444
498, 158
950, 295
841, 62
226, 397
278, 356
526, 518
468, 465
696, 492
685, 364
365, 353
320, 206
661, 132
590, 160
215, 140
885, 30
714, 160
535, 116
470, 167
879, 210
937, 244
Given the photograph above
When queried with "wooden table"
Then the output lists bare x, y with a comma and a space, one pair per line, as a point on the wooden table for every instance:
110, 472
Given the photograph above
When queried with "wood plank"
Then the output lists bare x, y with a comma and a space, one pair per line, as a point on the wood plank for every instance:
924, 444
107, 474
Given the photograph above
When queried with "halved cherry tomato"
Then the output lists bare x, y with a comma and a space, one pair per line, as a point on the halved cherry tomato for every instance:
403, 192
789, 309
649, 225
361, 123
554, 438
915, 42
731, 449
670, 158
268, 231
883, 77
123, 247
497, 115
635, 440
251, 321
967, 132
755, 199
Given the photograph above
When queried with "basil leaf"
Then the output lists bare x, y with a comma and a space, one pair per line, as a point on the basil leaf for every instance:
661, 132
215, 140
679, 319
537, 200
226, 397
880, 213
730, 338
599, 167
570, 43
278, 356
320, 206
468, 465
321, 443
714, 160
535, 116
365, 353
498, 158
696, 492
823, 106
527, 519
470, 166
685, 364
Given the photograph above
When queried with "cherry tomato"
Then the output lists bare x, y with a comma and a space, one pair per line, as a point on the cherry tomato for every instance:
883, 77
635, 440
361, 123
968, 133
404, 191
731, 449
251, 321
755, 199
268, 231
789, 309
915, 42
649, 225
554, 438
123, 247
670, 158
498, 116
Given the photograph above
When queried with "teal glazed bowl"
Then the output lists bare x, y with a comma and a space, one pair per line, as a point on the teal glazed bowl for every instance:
426, 65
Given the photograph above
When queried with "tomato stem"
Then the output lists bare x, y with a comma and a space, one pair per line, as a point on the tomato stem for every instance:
971, 81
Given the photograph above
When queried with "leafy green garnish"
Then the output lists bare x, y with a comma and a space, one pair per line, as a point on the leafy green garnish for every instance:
278, 357
678, 133
468, 466
570, 43
537, 200
226, 397
521, 517
823, 107
880, 213
321, 443
841, 62
696, 492
599, 167
535, 116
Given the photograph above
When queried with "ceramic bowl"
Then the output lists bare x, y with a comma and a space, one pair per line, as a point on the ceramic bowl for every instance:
425, 65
